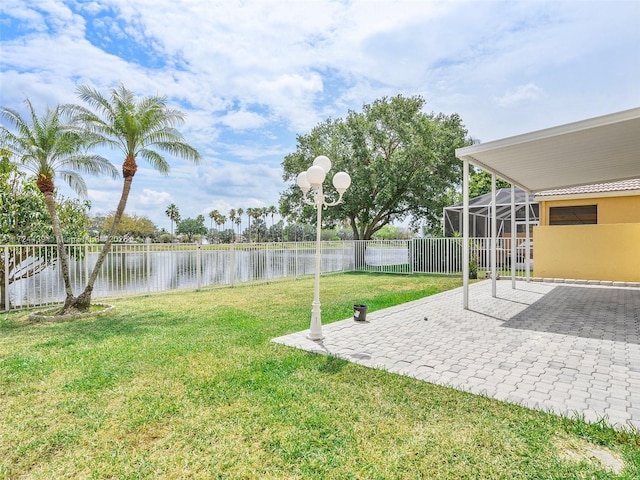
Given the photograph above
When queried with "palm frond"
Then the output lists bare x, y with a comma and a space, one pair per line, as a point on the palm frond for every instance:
180, 149
137, 126
75, 181
93, 164
156, 160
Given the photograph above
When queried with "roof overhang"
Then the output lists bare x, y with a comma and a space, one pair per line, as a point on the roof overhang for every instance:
597, 150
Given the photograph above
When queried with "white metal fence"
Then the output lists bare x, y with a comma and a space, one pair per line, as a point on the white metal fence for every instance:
30, 276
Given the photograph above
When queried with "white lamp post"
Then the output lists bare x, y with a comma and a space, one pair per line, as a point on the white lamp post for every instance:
311, 180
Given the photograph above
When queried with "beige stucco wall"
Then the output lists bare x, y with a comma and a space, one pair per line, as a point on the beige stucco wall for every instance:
609, 250
588, 252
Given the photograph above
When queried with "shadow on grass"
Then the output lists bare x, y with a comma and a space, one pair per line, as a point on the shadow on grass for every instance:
332, 365
103, 328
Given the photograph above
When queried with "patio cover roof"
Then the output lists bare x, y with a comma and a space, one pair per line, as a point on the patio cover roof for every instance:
597, 150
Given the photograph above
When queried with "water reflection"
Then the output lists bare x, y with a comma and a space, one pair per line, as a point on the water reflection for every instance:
135, 269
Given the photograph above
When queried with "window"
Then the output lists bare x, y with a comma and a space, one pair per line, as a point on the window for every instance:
578, 215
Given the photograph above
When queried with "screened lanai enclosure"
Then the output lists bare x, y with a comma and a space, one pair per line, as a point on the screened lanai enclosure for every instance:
480, 215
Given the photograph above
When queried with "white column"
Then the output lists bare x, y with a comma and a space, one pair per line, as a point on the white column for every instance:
513, 236
465, 234
494, 234
527, 245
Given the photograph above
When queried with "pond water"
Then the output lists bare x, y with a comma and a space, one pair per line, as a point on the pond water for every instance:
135, 271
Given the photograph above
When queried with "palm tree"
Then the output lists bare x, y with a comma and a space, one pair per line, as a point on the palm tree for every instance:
220, 220
249, 215
174, 215
239, 222
232, 216
48, 147
213, 214
260, 212
136, 127
272, 210
254, 213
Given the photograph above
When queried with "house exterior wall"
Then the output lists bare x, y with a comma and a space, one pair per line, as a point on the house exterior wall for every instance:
588, 252
609, 250
621, 209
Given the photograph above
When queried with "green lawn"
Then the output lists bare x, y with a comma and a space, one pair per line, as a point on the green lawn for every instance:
188, 385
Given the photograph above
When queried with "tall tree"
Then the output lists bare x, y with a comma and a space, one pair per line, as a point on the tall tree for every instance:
191, 227
131, 226
401, 160
232, 216
213, 214
24, 220
48, 147
138, 127
254, 213
173, 213
249, 213
239, 220
272, 210
220, 220
258, 230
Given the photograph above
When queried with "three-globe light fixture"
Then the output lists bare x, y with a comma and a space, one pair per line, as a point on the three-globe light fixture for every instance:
311, 180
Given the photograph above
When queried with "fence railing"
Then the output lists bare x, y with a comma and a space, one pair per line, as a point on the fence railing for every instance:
30, 275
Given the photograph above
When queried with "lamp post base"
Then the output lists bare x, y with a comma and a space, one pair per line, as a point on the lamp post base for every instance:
315, 332
312, 336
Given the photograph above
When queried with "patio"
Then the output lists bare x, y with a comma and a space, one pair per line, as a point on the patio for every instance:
569, 349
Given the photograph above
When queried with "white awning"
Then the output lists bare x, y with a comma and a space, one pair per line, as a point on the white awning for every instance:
597, 150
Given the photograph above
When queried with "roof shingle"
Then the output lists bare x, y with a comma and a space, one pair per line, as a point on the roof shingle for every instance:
624, 185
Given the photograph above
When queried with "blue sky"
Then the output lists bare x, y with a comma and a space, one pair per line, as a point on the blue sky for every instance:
251, 75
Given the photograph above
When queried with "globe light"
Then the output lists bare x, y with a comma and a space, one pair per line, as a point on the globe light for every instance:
302, 182
324, 162
315, 176
341, 181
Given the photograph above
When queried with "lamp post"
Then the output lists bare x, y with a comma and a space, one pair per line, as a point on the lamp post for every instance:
311, 180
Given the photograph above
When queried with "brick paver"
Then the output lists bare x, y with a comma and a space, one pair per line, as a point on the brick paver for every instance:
570, 349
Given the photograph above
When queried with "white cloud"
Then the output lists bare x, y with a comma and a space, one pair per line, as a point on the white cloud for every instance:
520, 94
153, 197
243, 120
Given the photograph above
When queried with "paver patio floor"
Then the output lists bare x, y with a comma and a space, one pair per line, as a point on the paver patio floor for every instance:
564, 348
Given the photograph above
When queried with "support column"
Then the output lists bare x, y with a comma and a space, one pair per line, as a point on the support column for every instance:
465, 234
514, 238
494, 235
527, 244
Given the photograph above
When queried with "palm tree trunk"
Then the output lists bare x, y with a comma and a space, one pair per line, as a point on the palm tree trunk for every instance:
62, 252
83, 301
